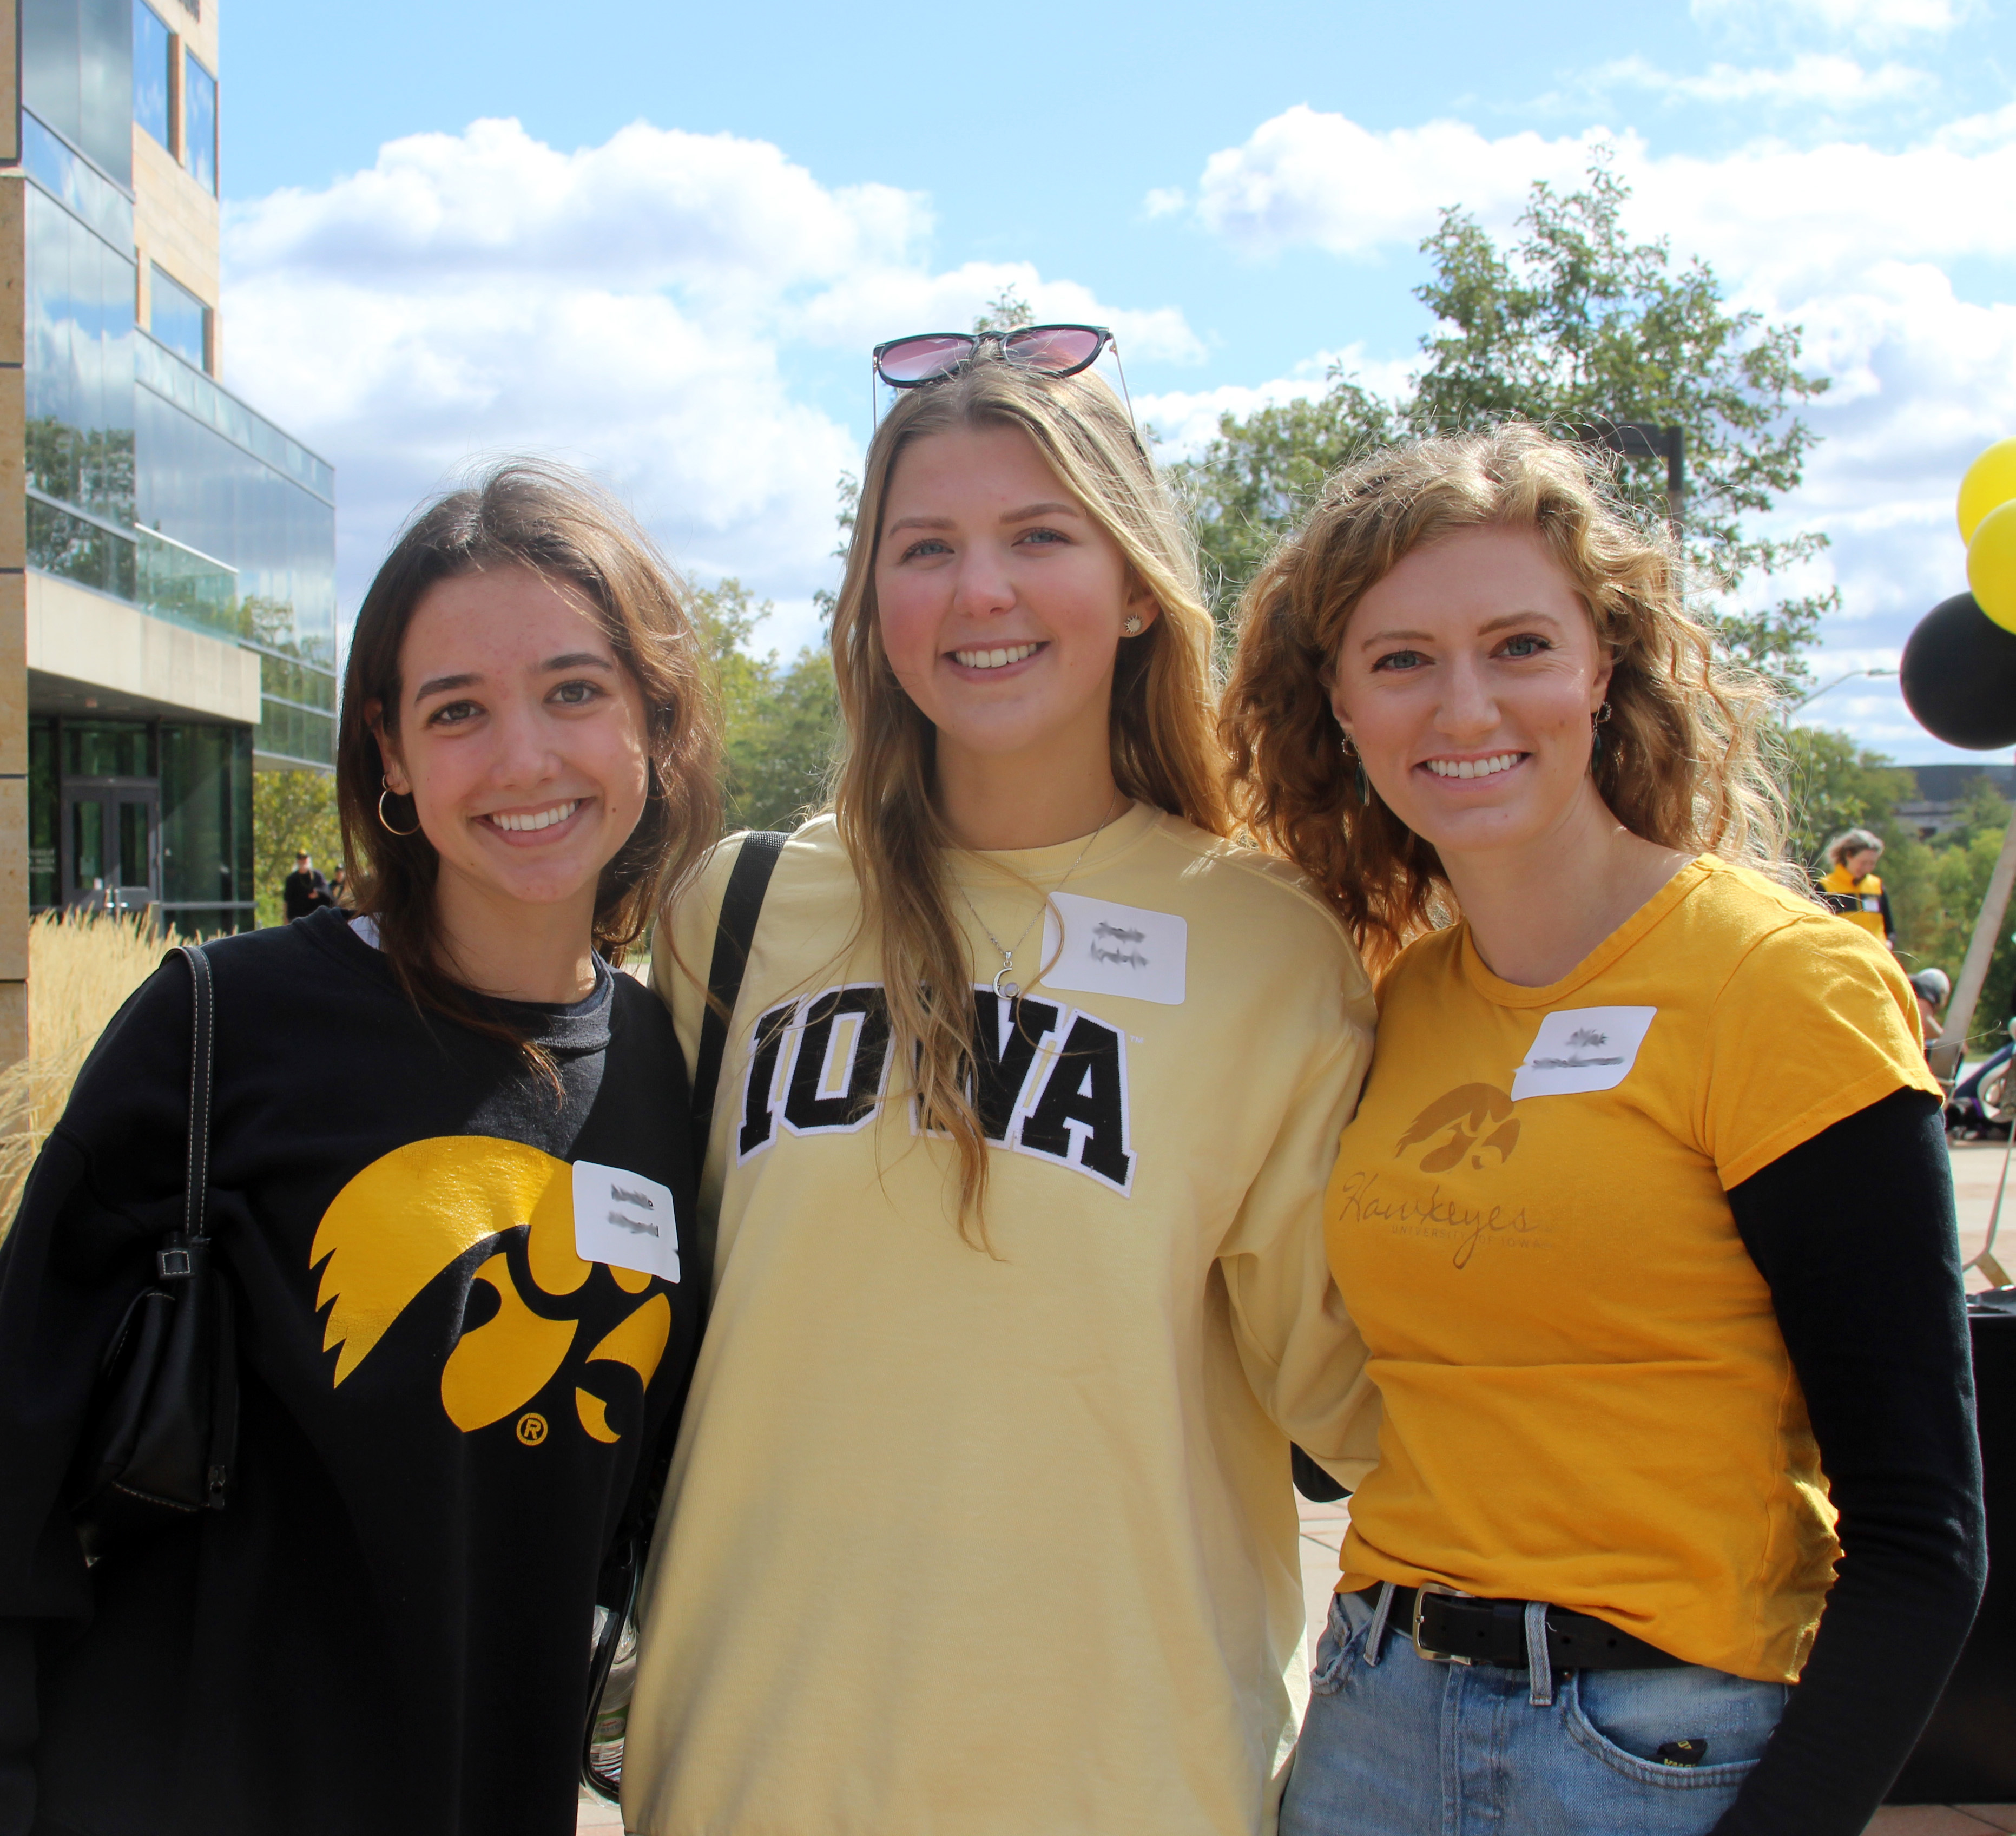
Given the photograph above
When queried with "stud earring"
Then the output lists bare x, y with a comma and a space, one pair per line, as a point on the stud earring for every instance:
1132, 624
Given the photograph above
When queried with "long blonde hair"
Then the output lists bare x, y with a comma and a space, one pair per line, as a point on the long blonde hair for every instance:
1682, 762
1161, 720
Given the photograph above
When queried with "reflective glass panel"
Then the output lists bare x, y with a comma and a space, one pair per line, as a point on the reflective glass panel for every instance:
77, 73
179, 318
206, 822
42, 814
107, 749
206, 491
199, 122
78, 340
135, 827
87, 845
79, 183
151, 50
105, 84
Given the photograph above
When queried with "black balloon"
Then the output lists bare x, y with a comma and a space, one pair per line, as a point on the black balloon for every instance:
1960, 676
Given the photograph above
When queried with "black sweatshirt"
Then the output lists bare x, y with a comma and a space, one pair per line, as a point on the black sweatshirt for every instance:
444, 1407
1868, 1296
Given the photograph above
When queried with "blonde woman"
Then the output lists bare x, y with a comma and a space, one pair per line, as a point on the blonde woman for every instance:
981, 1522
1622, 1353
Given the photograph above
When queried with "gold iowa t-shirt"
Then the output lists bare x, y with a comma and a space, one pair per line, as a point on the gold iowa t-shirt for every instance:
1587, 1397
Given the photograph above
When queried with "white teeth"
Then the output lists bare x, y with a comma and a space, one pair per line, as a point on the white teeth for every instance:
537, 820
1473, 768
994, 659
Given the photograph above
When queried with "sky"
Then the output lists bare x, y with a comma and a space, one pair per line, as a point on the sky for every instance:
660, 240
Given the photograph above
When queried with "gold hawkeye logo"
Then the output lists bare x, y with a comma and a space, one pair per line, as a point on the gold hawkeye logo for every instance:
407, 1216
1462, 1117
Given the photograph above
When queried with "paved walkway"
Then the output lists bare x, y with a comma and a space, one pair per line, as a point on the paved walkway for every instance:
1977, 1166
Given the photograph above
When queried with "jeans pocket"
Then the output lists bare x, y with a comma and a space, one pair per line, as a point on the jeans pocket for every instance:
1686, 1727
1343, 1638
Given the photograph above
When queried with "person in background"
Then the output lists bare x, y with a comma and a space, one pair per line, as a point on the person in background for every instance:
305, 891
339, 887
1663, 1438
1851, 888
1932, 987
461, 1334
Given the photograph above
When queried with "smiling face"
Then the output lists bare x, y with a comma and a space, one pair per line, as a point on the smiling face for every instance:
1001, 599
1468, 678
522, 740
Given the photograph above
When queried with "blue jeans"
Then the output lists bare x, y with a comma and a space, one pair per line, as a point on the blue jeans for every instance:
1397, 1744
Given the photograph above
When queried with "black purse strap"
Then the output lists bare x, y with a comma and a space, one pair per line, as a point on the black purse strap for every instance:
196, 1205
735, 931
741, 905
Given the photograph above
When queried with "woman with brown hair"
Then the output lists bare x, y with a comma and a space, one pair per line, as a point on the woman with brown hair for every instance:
448, 1211
981, 1520
1645, 1401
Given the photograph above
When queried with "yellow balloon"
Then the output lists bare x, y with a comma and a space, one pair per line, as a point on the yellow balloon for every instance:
1990, 482
1991, 565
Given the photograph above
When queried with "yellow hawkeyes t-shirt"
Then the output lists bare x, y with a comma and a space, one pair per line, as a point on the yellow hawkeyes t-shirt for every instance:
1587, 1398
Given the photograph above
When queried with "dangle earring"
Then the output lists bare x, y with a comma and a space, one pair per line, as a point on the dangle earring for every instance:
1595, 736
388, 791
1364, 784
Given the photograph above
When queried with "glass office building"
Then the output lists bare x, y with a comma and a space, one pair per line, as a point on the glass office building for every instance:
149, 482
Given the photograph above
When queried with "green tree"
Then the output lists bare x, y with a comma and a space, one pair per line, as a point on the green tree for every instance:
1007, 312
290, 810
1574, 326
780, 722
1962, 860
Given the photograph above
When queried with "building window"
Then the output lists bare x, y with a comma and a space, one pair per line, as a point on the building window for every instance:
179, 319
200, 122
77, 73
153, 73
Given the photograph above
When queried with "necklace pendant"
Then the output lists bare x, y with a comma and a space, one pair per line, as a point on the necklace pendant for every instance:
1004, 989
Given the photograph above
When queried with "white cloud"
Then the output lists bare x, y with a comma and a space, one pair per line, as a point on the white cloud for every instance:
634, 306
1815, 81
1307, 176
1867, 22
1775, 214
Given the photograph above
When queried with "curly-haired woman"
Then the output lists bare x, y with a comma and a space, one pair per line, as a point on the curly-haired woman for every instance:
1663, 1437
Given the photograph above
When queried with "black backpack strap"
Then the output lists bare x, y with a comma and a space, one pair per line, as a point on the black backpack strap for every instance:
741, 905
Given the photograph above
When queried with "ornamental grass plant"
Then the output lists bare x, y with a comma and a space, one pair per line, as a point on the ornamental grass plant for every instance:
82, 967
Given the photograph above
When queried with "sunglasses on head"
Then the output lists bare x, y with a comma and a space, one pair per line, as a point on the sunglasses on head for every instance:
1049, 350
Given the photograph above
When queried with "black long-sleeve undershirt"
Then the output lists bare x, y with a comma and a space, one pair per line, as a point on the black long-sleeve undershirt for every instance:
1854, 1233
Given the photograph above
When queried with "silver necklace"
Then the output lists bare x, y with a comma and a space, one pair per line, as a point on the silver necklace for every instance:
1004, 989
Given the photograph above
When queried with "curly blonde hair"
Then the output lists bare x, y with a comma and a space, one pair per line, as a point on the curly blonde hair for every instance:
1160, 722
1682, 763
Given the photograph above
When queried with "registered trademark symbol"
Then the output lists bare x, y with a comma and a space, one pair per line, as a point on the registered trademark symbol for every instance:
531, 1427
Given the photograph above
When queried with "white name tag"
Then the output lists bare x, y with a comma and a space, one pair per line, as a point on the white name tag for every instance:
1582, 1049
626, 1220
1108, 949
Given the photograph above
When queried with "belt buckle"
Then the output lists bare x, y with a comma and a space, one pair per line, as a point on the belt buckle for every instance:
1422, 1591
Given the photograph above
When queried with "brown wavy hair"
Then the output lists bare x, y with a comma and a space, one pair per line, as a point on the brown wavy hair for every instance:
1682, 763
561, 525
1161, 720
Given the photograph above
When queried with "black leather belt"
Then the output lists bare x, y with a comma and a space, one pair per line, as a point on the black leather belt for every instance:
1458, 1628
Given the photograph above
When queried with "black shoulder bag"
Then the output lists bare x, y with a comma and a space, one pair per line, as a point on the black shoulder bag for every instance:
612, 1670
163, 1431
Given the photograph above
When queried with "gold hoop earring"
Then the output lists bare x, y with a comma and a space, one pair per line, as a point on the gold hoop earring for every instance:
388, 791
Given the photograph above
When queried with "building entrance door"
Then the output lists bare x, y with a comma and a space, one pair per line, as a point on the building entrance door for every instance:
110, 843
